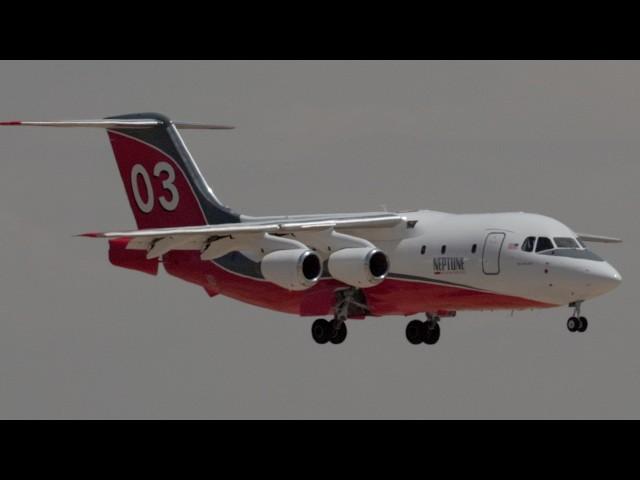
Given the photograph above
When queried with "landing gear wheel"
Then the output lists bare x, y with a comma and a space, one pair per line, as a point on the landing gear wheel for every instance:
338, 334
321, 331
431, 333
583, 324
573, 324
414, 332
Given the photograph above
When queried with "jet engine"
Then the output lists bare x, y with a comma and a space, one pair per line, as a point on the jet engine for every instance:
359, 267
296, 269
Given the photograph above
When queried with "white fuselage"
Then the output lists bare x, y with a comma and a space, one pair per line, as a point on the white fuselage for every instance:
485, 251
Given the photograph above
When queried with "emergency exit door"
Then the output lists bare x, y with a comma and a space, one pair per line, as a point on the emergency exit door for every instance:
491, 253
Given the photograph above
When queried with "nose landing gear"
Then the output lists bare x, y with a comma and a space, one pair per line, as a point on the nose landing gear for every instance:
576, 323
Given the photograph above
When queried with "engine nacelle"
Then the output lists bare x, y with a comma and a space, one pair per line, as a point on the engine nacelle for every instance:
359, 267
296, 269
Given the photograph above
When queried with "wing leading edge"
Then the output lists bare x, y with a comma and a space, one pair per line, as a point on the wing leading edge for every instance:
585, 237
214, 241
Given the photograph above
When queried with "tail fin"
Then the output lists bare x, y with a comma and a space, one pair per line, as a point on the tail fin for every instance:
163, 183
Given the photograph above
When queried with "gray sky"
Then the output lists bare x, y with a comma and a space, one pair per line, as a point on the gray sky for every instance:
80, 338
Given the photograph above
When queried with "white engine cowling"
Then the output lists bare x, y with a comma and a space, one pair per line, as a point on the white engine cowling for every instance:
359, 267
296, 269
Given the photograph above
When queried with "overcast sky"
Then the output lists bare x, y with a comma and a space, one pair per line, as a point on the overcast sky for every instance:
80, 338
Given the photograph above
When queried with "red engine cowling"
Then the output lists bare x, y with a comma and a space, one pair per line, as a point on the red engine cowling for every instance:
131, 259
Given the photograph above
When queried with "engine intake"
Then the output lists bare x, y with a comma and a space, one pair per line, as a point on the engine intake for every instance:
359, 267
296, 269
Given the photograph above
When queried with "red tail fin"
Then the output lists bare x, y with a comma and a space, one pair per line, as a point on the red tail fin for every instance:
158, 190
163, 183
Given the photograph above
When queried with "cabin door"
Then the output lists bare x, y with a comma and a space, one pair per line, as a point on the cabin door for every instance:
491, 253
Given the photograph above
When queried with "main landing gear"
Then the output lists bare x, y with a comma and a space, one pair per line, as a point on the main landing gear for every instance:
576, 323
324, 331
348, 302
424, 332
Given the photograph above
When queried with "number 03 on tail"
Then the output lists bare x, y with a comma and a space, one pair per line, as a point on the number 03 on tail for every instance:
341, 266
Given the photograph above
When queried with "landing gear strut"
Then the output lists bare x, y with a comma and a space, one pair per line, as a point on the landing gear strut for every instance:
576, 323
335, 331
424, 332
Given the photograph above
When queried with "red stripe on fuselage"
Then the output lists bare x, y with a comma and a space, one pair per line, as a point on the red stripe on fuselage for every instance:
391, 297
402, 297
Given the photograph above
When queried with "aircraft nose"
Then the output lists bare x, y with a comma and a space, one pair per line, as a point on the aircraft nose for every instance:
604, 278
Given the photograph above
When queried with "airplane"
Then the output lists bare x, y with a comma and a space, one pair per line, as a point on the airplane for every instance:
348, 266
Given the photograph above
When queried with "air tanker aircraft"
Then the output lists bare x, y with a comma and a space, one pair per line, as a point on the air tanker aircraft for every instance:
343, 266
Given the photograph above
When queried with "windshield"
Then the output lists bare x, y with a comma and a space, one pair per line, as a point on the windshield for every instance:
574, 253
543, 244
572, 248
527, 245
559, 246
565, 242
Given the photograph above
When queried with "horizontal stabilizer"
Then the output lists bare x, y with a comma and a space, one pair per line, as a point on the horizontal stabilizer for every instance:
116, 124
201, 126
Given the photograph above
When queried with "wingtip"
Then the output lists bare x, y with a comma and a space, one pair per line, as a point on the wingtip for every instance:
585, 237
11, 123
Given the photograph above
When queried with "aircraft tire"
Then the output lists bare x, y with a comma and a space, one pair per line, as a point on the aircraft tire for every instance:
339, 334
431, 333
573, 324
321, 331
414, 332
583, 324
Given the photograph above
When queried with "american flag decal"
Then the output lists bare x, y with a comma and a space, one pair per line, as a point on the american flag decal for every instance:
512, 246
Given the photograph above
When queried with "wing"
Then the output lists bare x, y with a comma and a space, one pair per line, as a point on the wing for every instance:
258, 236
585, 237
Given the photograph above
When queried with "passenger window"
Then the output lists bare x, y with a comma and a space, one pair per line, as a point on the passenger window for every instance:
443, 249
544, 244
527, 245
474, 248
423, 249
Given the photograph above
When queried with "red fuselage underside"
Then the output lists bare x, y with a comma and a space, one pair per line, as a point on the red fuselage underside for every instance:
391, 297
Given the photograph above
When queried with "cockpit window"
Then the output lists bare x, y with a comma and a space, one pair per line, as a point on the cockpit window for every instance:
527, 245
543, 244
565, 242
574, 253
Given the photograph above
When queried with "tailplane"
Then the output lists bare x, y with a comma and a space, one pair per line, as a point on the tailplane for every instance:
163, 183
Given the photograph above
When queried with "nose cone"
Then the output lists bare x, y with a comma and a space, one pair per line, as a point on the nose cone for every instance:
603, 279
